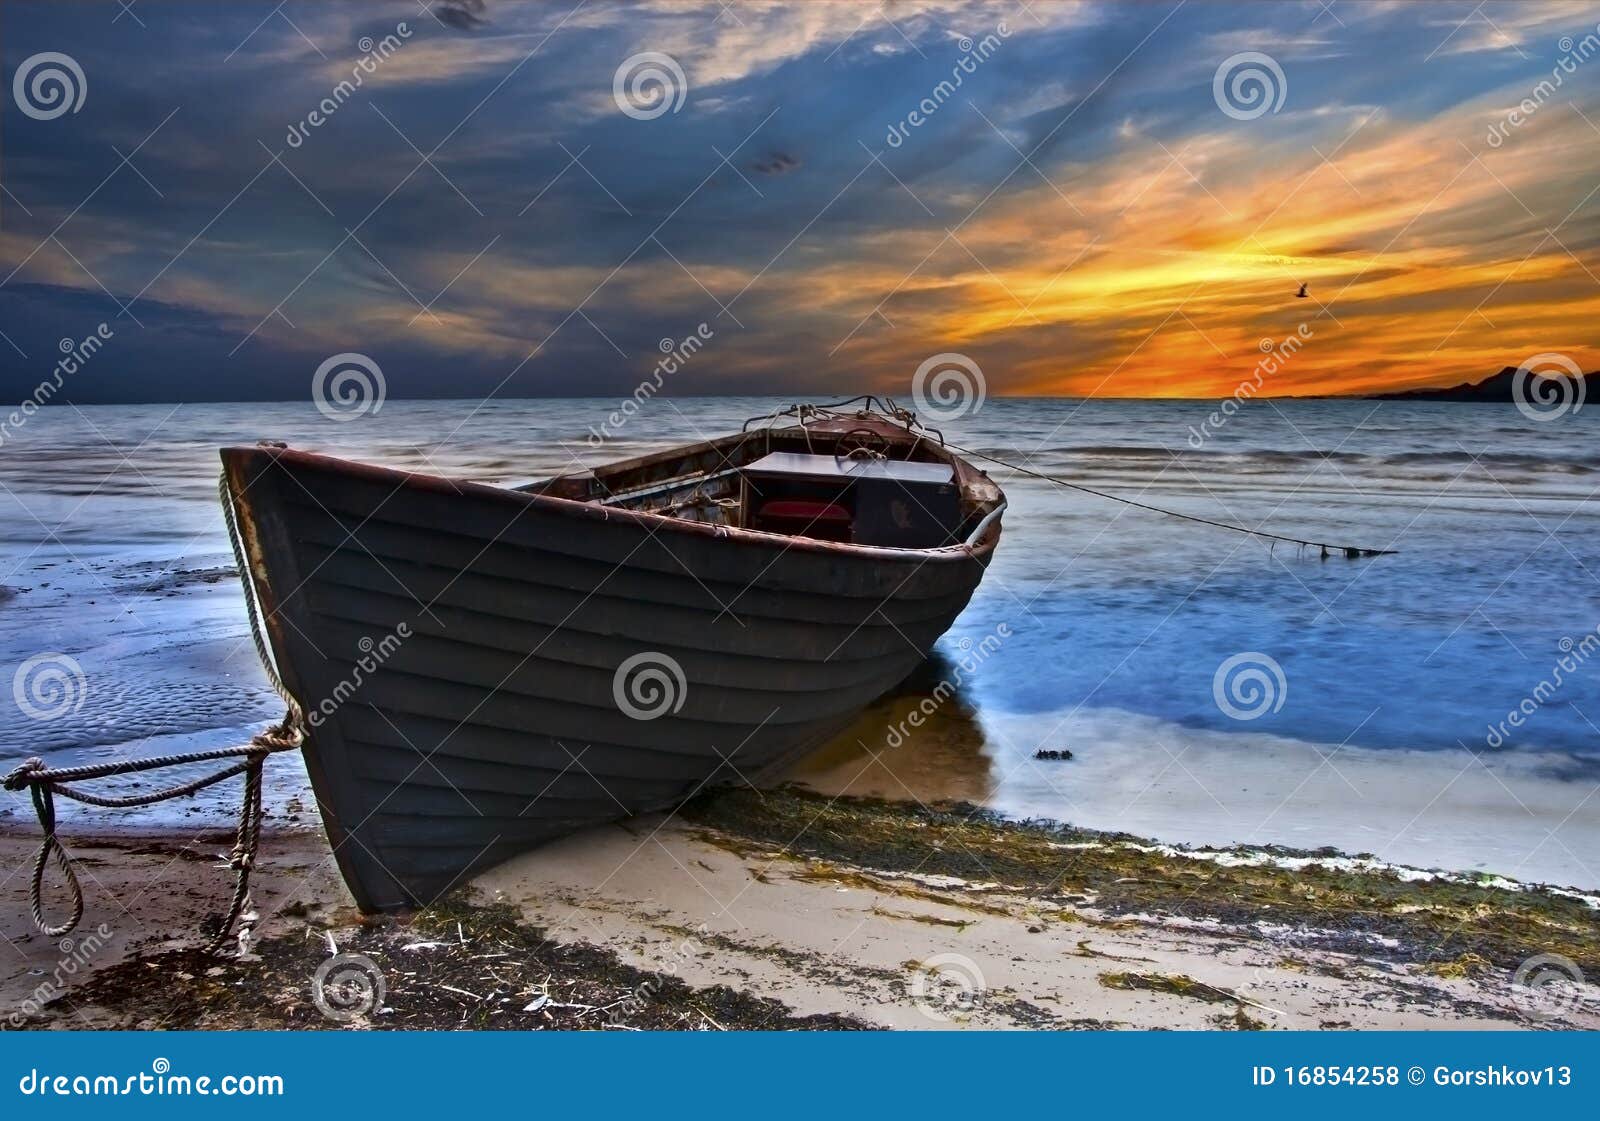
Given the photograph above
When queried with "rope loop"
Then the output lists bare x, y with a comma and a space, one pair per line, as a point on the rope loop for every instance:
52, 846
44, 783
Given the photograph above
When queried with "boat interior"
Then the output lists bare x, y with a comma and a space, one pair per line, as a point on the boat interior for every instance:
867, 477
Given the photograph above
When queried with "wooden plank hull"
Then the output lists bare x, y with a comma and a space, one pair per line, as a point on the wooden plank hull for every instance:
485, 669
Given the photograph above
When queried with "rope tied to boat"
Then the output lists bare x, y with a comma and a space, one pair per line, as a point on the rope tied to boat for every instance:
1351, 551
44, 783
888, 409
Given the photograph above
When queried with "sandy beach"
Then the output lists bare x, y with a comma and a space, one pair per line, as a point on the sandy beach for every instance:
796, 908
785, 909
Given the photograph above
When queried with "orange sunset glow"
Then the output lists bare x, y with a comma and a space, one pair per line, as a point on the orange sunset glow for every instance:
1082, 198
1428, 259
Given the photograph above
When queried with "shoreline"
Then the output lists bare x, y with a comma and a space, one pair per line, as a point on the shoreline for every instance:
1515, 813
787, 909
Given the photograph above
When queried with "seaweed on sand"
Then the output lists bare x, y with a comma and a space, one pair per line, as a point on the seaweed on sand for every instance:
1374, 912
1177, 984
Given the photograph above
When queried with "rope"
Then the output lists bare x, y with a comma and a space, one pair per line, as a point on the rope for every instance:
44, 783
1348, 550
257, 632
890, 410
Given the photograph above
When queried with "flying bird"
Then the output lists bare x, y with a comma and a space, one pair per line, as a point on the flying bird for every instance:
1302, 293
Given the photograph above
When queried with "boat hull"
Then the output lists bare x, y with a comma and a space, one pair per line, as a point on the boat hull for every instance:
485, 669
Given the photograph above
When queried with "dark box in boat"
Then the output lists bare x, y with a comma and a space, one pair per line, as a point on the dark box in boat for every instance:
864, 501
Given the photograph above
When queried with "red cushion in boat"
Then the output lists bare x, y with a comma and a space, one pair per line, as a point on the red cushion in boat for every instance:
805, 510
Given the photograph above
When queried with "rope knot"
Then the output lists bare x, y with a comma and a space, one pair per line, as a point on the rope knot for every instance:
283, 736
22, 776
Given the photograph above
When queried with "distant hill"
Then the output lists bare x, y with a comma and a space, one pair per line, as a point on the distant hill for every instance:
1496, 388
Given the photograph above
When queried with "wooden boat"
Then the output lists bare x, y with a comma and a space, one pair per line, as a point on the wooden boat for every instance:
482, 668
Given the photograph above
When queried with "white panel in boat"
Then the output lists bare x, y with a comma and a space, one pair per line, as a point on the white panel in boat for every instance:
830, 467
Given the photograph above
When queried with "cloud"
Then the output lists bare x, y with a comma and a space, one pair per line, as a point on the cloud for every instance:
1511, 28
464, 15
1077, 214
779, 163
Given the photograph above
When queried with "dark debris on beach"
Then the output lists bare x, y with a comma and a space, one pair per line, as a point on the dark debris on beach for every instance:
455, 966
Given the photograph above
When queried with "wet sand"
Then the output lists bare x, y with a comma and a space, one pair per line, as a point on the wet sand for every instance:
783, 909
1525, 815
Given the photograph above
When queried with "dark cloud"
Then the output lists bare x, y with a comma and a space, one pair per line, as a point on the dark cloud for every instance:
778, 163
464, 15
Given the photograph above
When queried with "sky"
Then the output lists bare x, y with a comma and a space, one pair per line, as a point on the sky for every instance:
522, 200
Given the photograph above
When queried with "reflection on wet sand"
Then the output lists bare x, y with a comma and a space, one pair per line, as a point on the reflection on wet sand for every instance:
883, 755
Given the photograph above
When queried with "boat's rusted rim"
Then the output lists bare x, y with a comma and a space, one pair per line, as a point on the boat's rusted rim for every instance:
590, 511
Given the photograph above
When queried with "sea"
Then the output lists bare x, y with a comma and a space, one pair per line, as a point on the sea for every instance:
1437, 706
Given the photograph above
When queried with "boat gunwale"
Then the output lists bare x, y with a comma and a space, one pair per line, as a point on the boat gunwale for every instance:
444, 484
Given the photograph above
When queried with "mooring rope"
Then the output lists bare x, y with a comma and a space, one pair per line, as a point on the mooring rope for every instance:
44, 783
1351, 551
908, 418
257, 632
